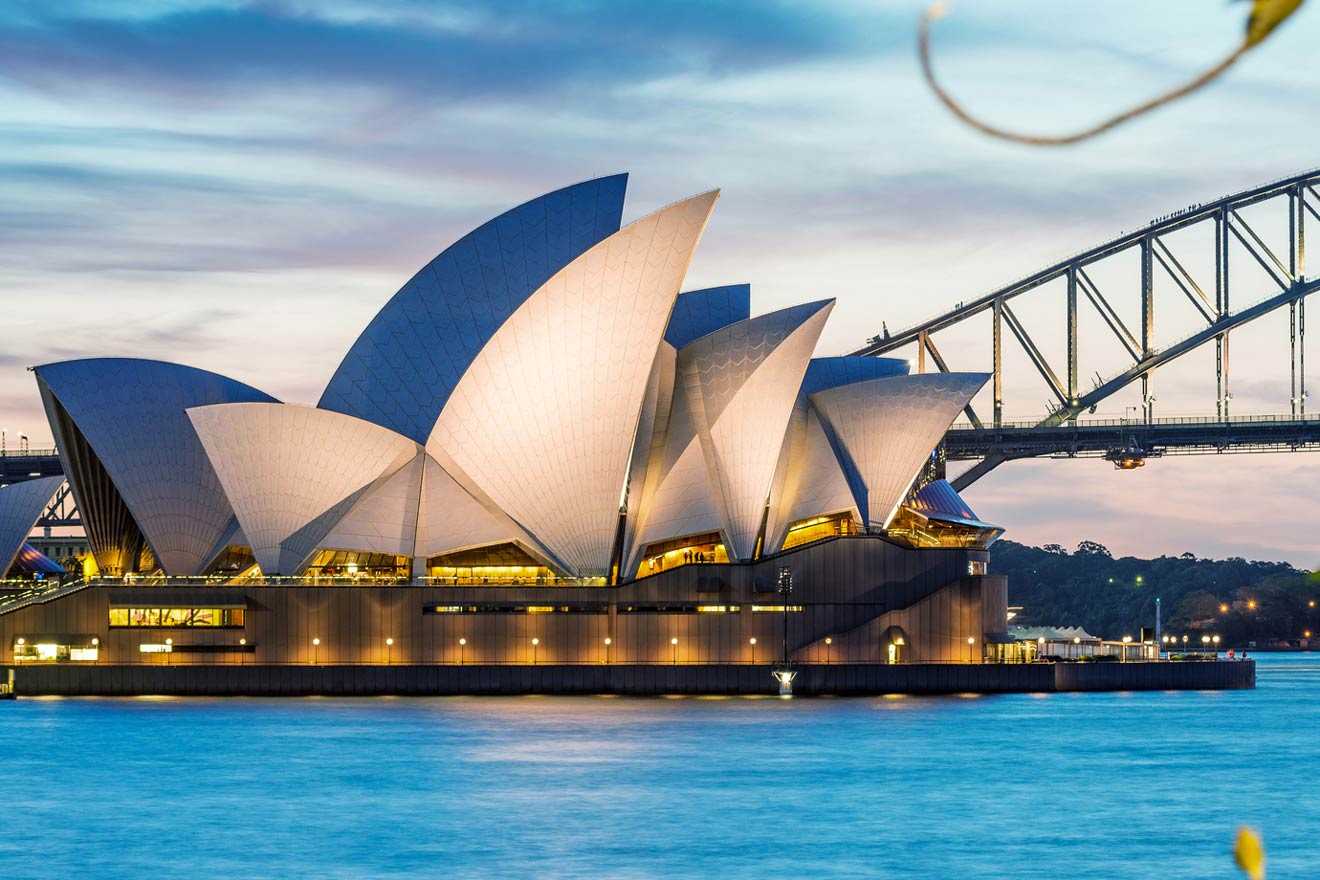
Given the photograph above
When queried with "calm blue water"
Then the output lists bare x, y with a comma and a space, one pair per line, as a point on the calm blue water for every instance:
1074, 785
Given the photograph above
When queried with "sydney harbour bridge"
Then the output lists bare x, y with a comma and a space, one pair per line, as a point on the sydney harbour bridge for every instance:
1232, 261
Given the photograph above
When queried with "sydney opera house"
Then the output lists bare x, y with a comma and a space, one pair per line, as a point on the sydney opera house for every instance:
542, 450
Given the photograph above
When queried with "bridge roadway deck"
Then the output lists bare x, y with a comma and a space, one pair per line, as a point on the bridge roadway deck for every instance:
17, 465
1159, 437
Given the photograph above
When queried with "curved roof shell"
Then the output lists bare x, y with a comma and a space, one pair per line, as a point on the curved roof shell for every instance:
403, 368
125, 417
294, 472
544, 420
883, 431
738, 387
698, 312
21, 505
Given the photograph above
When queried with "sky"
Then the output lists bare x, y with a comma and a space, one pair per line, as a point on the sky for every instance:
240, 186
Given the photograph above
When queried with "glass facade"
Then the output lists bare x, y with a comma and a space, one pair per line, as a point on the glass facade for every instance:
177, 617
818, 528
690, 550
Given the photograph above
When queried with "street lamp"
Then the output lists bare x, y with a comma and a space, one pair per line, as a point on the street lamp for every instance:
389, 652
1205, 643
753, 644
535, 642
1127, 640
1040, 647
316, 651
673, 651
829, 649
1215, 639
971, 640
169, 649
462, 651
1077, 647
1184, 644
242, 655
608, 642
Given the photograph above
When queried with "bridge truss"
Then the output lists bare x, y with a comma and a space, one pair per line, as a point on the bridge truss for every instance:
1286, 203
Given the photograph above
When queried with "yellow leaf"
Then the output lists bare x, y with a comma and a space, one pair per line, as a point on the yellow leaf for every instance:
1249, 853
1266, 15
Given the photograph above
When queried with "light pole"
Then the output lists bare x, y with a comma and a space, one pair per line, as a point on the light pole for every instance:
96, 643
1040, 648
316, 651
785, 590
1184, 644
389, 652
673, 651
1127, 640
1077, 647
169, 649
535, 642
752, 641
242, 655
829, 649
1205, 643
462, 651
608, 642
971, 640
1215, 639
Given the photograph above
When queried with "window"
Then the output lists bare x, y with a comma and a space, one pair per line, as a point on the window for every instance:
776, 608
177, 617
515, 609
56, 649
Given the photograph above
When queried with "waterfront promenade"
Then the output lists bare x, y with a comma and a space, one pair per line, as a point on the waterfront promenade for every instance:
631, 679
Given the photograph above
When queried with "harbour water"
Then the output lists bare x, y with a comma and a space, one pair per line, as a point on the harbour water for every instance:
1092, 785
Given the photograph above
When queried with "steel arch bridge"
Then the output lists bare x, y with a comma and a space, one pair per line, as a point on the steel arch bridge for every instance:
1061, 433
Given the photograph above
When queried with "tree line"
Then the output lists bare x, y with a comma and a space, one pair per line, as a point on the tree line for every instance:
1241, 601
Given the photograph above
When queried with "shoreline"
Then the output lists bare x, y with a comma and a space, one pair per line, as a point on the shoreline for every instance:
624, 679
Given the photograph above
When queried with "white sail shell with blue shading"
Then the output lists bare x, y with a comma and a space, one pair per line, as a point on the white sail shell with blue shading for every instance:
128, 415
543, 421
294, 472
737, 390
405, 364
21, 505
884, 430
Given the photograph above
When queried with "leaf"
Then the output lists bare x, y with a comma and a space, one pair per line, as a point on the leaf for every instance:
1249, 853
1266, 15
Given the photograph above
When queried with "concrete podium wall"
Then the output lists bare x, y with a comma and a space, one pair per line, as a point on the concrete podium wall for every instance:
841, 679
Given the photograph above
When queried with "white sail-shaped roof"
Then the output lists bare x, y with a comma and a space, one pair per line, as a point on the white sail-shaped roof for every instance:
403, 367
293, 472
128, 415
886, 429
543, 421
793, 494
383, 520
815, 484
21, 505
452, 519
741, 383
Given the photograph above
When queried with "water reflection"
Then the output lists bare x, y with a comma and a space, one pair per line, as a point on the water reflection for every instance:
1091, 785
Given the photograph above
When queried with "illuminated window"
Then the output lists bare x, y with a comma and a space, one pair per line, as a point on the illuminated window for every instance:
779, 608
177, 617
514, 609
704, 549
56, 648
818, 528
974, 567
